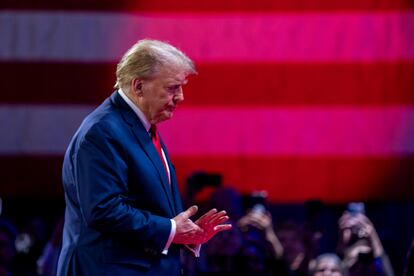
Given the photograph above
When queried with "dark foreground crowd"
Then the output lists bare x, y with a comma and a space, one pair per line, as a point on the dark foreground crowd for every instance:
256, 245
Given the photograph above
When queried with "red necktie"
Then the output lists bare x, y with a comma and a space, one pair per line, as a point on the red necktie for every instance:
157, 144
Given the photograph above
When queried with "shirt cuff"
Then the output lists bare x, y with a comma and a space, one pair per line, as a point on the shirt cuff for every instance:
170, 238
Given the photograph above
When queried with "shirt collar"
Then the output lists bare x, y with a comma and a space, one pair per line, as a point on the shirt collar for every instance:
136, 109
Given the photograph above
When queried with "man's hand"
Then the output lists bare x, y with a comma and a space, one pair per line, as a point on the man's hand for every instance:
212, 223
187, 232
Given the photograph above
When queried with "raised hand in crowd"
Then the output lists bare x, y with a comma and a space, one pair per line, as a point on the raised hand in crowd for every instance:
262, 220
361, 247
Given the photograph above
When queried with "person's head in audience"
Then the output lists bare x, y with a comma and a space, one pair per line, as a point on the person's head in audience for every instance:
327, 265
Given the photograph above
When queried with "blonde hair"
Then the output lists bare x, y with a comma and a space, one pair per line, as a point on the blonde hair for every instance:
144, 59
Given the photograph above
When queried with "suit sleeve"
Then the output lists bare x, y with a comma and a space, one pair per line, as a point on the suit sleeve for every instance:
101, 175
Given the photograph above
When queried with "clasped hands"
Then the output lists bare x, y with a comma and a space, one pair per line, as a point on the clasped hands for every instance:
203, 229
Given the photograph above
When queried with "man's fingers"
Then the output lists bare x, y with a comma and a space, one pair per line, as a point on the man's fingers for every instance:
222, 227
218, 220
211, 217
210, 213
217, 216
207, 216
190, 212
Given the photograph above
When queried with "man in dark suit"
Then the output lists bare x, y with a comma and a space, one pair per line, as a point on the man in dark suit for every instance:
123, 209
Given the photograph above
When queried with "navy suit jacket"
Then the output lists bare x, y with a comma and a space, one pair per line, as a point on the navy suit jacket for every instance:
118, 198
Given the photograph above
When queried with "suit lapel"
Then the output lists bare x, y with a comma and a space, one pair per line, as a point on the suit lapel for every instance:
174, 185
145, 142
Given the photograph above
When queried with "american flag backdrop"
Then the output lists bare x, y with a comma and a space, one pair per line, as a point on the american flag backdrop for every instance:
303, 98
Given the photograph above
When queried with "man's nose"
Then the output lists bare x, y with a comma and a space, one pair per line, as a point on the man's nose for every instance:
179, 96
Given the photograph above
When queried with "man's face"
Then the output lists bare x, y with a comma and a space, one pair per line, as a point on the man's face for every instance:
161, 95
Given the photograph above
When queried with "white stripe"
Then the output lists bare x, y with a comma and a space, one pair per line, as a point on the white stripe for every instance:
208, 131
209, 37
38, 129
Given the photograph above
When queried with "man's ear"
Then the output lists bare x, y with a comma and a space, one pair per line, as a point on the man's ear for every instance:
136, 86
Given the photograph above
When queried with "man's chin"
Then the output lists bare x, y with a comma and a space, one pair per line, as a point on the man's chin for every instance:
166, 116
170, 114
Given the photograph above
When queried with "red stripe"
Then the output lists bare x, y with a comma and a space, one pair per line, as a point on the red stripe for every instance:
288, 179
212, 5
299, 178
31, 176
56, 82
303, 84
222, 84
